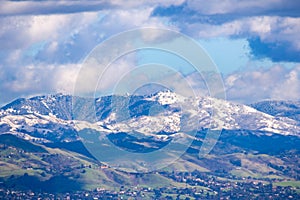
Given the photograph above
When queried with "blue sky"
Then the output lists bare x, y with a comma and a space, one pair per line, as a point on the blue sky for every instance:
255, 44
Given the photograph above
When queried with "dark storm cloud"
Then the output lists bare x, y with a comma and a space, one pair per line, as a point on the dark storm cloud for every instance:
277, 52
9, 8
229, 9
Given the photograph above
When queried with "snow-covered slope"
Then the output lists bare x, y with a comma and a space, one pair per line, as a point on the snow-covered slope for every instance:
40, 119
59, 105
164, 114
38, 128
189, 114
290, 109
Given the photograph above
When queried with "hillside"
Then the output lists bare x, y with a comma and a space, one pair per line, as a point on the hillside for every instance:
290, 109
45, 141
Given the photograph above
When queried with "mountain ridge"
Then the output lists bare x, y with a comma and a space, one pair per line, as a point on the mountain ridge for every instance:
163, 112
279, 108
143, 125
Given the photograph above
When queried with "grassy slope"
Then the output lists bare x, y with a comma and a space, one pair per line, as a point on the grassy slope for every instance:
22, 164
253, 164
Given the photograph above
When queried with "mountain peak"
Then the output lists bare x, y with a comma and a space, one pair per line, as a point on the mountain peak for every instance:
164, 97
50, 116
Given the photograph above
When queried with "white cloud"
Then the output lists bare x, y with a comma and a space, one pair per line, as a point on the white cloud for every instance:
273, 37
37, 79
268, 28
65, 39
64, 77
22, 33
273, 25
276, 82
290, 87
132, 4
242, 7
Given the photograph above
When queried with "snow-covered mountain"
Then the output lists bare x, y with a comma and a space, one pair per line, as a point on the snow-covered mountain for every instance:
160, 116
290, 109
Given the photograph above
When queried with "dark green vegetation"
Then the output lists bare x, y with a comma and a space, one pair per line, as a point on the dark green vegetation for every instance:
13, 141
131, 143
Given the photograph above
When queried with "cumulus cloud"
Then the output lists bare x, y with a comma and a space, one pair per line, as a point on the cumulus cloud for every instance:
267, 28
43, 42
52, 34
44, 49
271, 25
274, 37
276, 82
36, 79
65, 38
